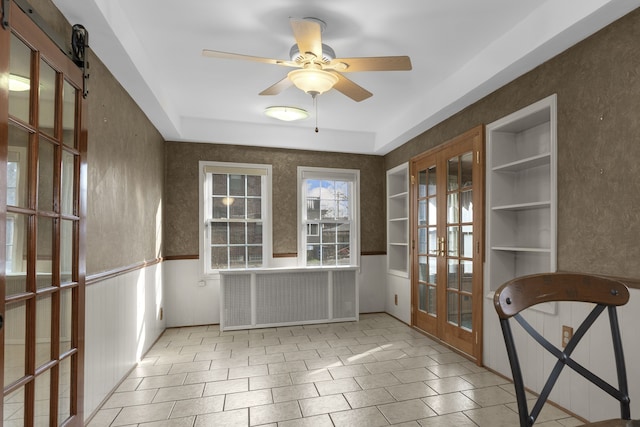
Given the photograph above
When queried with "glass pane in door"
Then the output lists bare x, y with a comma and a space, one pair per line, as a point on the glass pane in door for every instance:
14, 408
15, 335
43, 329
19, 79
47, 98
46, 161
64, 387
68, 114
459, 240
43, 398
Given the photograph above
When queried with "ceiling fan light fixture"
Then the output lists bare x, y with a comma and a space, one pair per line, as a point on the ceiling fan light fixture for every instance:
313, 81
287, 114
18, 83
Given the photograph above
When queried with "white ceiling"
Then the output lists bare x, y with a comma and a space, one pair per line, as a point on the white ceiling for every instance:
461, 50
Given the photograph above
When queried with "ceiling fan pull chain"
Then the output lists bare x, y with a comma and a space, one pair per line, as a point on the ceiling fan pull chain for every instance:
315, 104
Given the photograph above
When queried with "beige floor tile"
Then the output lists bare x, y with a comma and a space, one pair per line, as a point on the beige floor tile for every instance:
269, 381
409, 410
333, 351
457, 419
448, 403
248, 352
179, 368
266, 359
149, 371
224, 387
410, 391
301, 355
130, 398
337, 386
417, 362
393, 354
360, 399
190, 391
207, 376
378, 380
176, 422
415, 374
287, 367
202, 405
357, 358
129, 384
282, 348
484, 379
493, 416
381, 367
323, 405
489, 396
248, 371
212, 355
294, 392
239, 417
348, 371
191, 349
315, 421
449, 385
310, 376
247, 399
104, 417
449, 370
298, 339
313, 345
162, 381
236, 362
377, 371
274, 413
323, 362
444, 358
364, 417
143, 413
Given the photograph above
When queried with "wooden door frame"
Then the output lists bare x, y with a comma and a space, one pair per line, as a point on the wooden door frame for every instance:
477, 137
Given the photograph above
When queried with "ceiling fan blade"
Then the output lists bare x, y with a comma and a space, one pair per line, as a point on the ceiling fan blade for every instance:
308, 35
227, 55
278, 87
374, 63
350, 89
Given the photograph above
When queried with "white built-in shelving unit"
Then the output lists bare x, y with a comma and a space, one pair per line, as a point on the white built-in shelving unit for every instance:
398, 220
521, 193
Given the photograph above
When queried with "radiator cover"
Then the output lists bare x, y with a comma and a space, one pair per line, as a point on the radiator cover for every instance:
261, 298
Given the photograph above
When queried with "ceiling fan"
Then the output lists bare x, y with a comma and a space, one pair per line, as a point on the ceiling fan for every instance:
318, 68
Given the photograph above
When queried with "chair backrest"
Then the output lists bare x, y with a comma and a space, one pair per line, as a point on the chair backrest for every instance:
521, 293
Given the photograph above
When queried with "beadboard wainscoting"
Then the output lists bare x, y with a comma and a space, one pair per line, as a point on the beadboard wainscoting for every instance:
193, 300
123, 321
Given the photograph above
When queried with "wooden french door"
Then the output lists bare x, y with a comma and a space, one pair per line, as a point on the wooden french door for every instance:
42, 203
447, 219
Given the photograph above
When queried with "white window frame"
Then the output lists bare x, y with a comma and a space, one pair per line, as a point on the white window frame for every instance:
205, 206
351, 175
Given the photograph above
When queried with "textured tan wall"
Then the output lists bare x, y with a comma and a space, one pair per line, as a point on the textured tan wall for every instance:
181, 222
598, 87
125, 158
125, 178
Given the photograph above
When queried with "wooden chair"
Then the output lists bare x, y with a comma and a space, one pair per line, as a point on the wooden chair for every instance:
518, 294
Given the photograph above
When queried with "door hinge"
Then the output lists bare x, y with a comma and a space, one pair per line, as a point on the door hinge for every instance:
478, 247
413, 180
477, 157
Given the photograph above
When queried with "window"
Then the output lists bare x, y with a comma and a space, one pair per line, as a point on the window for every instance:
236, 217
328, 215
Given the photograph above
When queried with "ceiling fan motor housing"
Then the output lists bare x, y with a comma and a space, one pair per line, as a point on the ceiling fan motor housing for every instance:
327, 54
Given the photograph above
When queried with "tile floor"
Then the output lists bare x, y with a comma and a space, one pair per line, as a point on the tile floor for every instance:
374, 372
